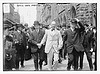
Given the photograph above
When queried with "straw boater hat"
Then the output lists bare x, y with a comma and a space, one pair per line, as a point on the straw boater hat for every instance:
53, 23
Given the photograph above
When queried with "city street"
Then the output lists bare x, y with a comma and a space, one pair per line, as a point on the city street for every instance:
29, 65
71, 26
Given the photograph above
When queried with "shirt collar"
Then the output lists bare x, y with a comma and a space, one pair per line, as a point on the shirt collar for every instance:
72, 29
18, 31
86, 30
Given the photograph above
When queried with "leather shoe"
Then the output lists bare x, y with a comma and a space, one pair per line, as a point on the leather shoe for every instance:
68, 69
22, 66
80, 69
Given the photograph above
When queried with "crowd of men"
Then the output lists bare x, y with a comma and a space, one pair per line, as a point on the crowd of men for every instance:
49, 45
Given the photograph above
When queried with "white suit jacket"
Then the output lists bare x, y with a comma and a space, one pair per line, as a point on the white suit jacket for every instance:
52, 39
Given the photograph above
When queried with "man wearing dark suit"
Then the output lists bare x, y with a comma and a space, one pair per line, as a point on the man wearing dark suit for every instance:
35, 38
26, 30
72, 41
20, 44
81, 53
87, 44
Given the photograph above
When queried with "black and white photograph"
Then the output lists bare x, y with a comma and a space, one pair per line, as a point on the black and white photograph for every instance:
49, 36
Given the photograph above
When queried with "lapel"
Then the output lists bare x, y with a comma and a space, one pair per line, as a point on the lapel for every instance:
19, 36
37, 34
71, 32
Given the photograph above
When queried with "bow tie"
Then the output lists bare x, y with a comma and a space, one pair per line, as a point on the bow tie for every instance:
52, 29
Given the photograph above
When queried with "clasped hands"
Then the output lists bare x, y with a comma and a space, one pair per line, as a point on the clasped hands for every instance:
39, 45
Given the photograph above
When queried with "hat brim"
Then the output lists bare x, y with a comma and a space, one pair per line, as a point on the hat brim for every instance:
36, 24
20, 26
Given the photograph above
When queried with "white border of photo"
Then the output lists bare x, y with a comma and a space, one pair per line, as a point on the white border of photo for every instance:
50, 1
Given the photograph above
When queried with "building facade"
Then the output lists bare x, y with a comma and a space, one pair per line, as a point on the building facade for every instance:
10, 17
62, 13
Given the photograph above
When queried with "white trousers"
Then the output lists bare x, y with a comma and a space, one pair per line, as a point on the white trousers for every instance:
50, 56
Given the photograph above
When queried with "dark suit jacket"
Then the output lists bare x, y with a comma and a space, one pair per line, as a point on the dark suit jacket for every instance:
17, 36
74, 39
35, 38
87, 42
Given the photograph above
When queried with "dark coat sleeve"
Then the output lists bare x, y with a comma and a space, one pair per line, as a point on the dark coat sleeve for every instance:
65, 37
82, 28
91, 39
32, 39
24, 39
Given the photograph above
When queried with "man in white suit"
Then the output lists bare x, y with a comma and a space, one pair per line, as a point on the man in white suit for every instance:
53, 40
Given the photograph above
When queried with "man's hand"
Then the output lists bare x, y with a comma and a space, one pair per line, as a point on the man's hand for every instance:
39, 45
27, 47
91, 50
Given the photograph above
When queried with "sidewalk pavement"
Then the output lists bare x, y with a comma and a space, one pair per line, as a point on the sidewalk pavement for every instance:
29, 65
